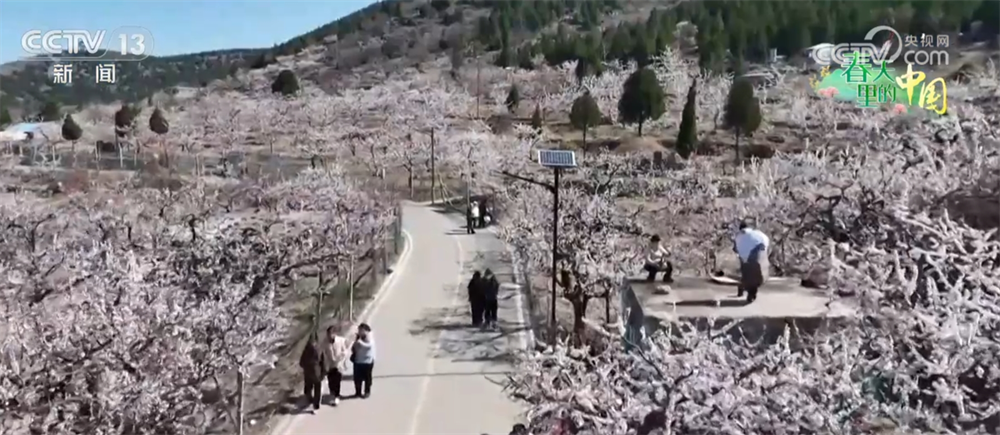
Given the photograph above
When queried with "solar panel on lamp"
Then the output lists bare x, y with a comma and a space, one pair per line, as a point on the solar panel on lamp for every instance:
557, 158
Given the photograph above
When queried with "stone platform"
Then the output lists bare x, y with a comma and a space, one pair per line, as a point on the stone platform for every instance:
703, 302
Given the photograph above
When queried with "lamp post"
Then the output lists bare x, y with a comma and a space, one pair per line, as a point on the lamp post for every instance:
557, 160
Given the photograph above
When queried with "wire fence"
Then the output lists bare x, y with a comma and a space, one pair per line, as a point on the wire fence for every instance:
346, 300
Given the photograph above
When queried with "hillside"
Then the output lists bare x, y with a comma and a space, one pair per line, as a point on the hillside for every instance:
392, 35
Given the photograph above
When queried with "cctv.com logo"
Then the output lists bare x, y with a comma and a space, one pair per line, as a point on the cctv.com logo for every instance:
889, 52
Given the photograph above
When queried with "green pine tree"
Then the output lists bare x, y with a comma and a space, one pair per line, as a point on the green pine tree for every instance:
642, 98
158, 123
5, 117
524, 59
71, 131
441, 5
286, 83
125, 117
536, 118
504, 58
51, 111
687, 137
741, 113
584, 114
513, 98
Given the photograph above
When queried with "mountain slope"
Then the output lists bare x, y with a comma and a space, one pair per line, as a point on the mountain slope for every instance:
391, 35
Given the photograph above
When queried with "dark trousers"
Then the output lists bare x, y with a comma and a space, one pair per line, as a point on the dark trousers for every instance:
478, 309
333, 378
491, 311
470, 225
313, 390
363, 378
667, 269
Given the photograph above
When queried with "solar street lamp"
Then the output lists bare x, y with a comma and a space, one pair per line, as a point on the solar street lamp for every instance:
557, 160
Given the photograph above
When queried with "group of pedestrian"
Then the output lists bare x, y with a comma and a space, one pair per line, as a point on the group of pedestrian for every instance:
484, 289
328, 357
477, 215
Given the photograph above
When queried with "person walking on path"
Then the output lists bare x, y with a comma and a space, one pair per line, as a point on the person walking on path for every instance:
335, 353
477, 298
470, 221
751, 246
491, 290
363, 358
656, 261
476, 216
482, 214
311, 362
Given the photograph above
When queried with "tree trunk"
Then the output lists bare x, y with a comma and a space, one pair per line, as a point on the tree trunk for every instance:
737, 147
585, 147
640, 128
72, 151
580, 303
409, 179
607, 307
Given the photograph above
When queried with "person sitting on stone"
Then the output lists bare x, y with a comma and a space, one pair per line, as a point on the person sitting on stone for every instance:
656, 261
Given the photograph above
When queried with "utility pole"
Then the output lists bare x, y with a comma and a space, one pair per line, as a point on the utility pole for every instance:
555, 241
433, 173
557, 160
479, 70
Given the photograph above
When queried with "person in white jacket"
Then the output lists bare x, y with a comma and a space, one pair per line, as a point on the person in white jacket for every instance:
751, 246
335, 353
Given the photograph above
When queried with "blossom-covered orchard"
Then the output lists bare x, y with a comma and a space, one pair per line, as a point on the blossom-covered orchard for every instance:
128, 309
162, 286
899, 211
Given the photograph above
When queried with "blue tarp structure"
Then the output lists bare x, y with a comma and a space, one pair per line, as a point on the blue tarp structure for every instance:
24, 127
21, 131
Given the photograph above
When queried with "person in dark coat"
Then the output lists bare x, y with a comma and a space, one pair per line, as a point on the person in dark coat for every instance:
477, 298
482, 214
311, 362
491, 288
470, 222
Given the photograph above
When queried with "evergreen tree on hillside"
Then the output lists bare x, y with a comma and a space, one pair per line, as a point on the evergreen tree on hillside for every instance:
286, 83
5, 118
51, 111
72, 132
513, 98
584, 114
741, 114
687, 136
536, 118
440, 5
642, 98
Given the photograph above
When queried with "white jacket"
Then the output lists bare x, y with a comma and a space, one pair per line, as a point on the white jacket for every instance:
747, 240
656, 254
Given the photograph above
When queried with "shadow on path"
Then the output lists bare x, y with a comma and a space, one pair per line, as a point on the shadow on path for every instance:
455, 338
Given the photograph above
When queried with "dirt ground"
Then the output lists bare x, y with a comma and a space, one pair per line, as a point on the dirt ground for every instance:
539, 306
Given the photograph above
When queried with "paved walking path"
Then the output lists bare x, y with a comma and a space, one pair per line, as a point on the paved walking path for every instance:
434, 373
